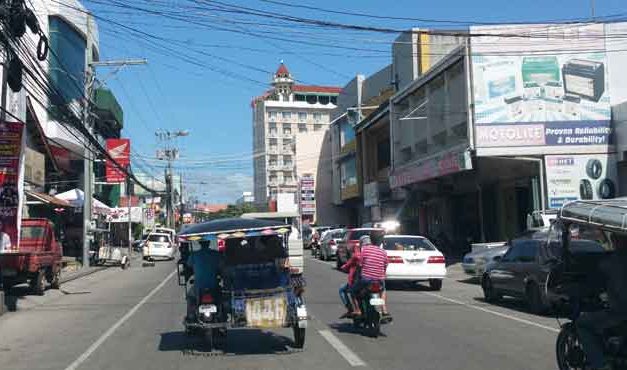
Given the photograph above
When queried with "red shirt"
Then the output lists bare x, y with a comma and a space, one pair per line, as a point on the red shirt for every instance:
352, 264
374, 262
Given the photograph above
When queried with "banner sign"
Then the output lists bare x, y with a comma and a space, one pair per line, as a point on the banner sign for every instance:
574, 177
118, 149
546, 87
121, 215
11, 180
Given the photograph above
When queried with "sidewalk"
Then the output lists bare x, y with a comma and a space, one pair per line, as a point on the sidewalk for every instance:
67, 276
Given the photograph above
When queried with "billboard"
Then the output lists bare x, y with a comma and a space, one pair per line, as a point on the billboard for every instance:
574, 177
540, 85
119, 150
11, 180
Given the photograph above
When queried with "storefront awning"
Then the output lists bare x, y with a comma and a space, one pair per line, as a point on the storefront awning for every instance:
46, 199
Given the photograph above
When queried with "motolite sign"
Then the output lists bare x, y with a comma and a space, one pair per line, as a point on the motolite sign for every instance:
307, 195
119, 150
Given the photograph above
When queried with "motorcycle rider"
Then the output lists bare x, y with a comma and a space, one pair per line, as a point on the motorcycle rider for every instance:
591, 325
352, 266
374, 263
205, 265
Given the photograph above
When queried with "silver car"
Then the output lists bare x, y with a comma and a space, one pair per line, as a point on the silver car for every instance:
329, 242
475, 263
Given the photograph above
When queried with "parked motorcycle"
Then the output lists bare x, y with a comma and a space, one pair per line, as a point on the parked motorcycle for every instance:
371, 303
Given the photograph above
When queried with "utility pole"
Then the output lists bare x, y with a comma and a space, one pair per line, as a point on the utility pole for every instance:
88, 181
169, 153
129, 183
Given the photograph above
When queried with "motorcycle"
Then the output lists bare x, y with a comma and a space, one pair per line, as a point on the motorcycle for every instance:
314, 245
371, 303
570, 354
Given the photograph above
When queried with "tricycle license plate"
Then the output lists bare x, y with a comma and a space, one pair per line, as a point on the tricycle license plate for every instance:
270, 312
208, 309
376, 302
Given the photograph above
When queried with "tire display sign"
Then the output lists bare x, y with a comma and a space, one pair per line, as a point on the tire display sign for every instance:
11, 180
580, 177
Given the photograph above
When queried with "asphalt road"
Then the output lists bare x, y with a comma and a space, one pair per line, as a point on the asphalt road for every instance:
131, 319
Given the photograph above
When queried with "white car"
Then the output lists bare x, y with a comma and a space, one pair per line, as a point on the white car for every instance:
414, 258
159, 245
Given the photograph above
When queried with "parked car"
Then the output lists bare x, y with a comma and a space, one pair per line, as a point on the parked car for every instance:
159, 245
414, 258
351, 239
329, 242
37, 261
475, 263
523, 270
171, 232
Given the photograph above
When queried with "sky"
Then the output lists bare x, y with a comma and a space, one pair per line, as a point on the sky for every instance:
205, 65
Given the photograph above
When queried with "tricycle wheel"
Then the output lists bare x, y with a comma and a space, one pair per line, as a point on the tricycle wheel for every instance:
7, 284
38, 284
56, 280
299, 337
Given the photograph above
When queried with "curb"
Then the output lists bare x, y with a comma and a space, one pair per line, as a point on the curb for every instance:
81, 274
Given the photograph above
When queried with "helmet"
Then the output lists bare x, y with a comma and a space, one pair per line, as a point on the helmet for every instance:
364, 240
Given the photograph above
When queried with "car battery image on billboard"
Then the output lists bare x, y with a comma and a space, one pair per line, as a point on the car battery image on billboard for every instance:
584, 78
554, 89
534, 105
532, 90
540, 69
515, 107
572, 106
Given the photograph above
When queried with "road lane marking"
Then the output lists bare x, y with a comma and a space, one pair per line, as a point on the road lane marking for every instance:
496, 313
322, 262
74, 365
350, 356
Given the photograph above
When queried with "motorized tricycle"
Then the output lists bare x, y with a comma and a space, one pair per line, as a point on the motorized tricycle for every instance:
255, 285
581, 238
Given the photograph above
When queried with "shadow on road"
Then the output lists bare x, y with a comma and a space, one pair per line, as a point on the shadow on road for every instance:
407, 286
348, 328
513, 304
238, 342
470, 280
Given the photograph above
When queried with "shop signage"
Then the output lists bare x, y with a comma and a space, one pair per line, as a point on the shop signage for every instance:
307, 199
119, 150
540, 92
11, 183
371, 194
439, 165
574, 177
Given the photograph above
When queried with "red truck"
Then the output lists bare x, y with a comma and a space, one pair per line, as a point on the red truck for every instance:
37, 261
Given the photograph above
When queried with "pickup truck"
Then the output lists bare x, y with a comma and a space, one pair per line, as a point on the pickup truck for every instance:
38, 259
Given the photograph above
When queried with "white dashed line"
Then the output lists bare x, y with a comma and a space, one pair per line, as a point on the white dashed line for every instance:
342, 349
115, 326
510, 317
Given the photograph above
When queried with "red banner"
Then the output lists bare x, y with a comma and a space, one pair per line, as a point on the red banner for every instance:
11, 134
120, 150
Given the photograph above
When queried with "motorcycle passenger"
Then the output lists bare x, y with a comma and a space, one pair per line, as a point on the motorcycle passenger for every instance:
374, 263
205, 265
591, 325
352, 266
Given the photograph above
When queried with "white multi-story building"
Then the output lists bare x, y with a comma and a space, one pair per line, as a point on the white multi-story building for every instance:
282, 112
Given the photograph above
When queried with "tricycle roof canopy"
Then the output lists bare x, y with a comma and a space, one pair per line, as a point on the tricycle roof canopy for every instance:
234, 228
607, 214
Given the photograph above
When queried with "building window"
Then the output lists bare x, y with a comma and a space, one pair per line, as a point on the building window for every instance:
348, 172
302, 116
317, 127
317, 117
272, 141
287, 129
347, 133
302, 127
334, 100
383, 154
272, 128
273, 160
272, 116
286, 116
287, 160
287, 176
312, 99
324, 100
67, 70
